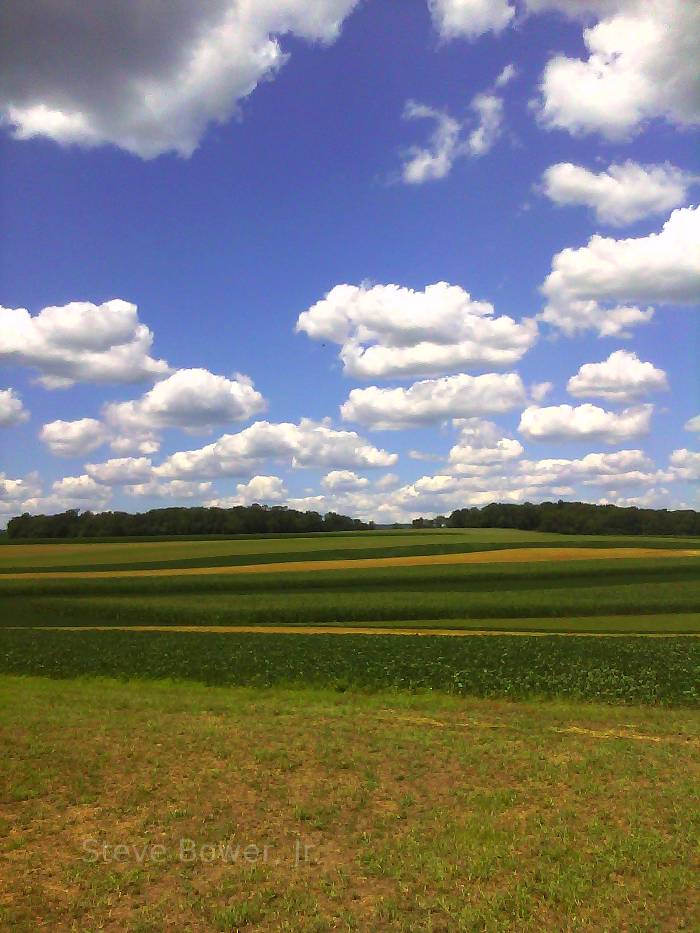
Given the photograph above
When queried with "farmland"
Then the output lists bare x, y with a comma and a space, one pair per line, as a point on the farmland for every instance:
495, 741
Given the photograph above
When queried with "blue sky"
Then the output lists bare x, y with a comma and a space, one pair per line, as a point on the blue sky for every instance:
224, 215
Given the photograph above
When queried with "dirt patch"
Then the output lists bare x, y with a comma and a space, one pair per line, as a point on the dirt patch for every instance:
506, 556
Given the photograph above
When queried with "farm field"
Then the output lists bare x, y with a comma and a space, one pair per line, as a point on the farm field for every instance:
133, 554
148, 805
540, 772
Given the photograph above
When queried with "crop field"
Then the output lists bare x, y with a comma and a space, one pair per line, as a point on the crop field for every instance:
434, 731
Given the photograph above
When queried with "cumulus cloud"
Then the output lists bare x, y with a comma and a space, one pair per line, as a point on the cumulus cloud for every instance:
540, 390
642, 63
434, 400
619, 469
686, 464
12, 410
80, 342
192, 399
387, 330
175, 489
584, 422
343, 481
79, 488
307, 444
73, 438
147, 77
260, 489
388, 481
121, 471
470, 19
621, 194
588, 287
623, 377
693, 424
15, 491
481, 447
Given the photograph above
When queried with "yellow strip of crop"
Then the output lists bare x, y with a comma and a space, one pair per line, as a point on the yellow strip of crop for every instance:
504, 556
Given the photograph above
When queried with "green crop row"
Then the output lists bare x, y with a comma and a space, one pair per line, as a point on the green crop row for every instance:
338, 607
616, 670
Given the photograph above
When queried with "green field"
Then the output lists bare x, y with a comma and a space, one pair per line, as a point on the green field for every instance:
652, 595
535, 767
389, 812
135, 554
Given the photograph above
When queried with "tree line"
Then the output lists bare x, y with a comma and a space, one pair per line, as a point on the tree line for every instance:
578, 518
252, 519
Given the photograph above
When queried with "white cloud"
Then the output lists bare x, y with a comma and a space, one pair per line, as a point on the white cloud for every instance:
80, 342
12, 411
619, 469
73, 438
650, 499
686, 464
623, 377
148, 77
489, 110
693, 424
77, 488
388, 330
621, 194
174, 489
587, 287
642, 63
436, 160
261, 489
140, 444
506, 76
192, 399
388, 481
424, 455
470, 18
584, 422
540, 390
481, 447
433, 400
343, 481
13, 491
307, 444
121, 471
448, 141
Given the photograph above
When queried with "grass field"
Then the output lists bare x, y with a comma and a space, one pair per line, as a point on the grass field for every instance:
301, 810
440, 783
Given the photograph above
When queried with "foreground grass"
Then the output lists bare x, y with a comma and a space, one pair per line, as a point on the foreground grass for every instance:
415, 813
627, 669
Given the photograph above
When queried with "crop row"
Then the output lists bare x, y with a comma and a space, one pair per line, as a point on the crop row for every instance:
626, 669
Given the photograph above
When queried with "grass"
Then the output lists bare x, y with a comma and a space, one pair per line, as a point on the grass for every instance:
613, 670
416, 813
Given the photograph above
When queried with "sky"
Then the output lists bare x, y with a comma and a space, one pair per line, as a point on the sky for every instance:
384, 258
